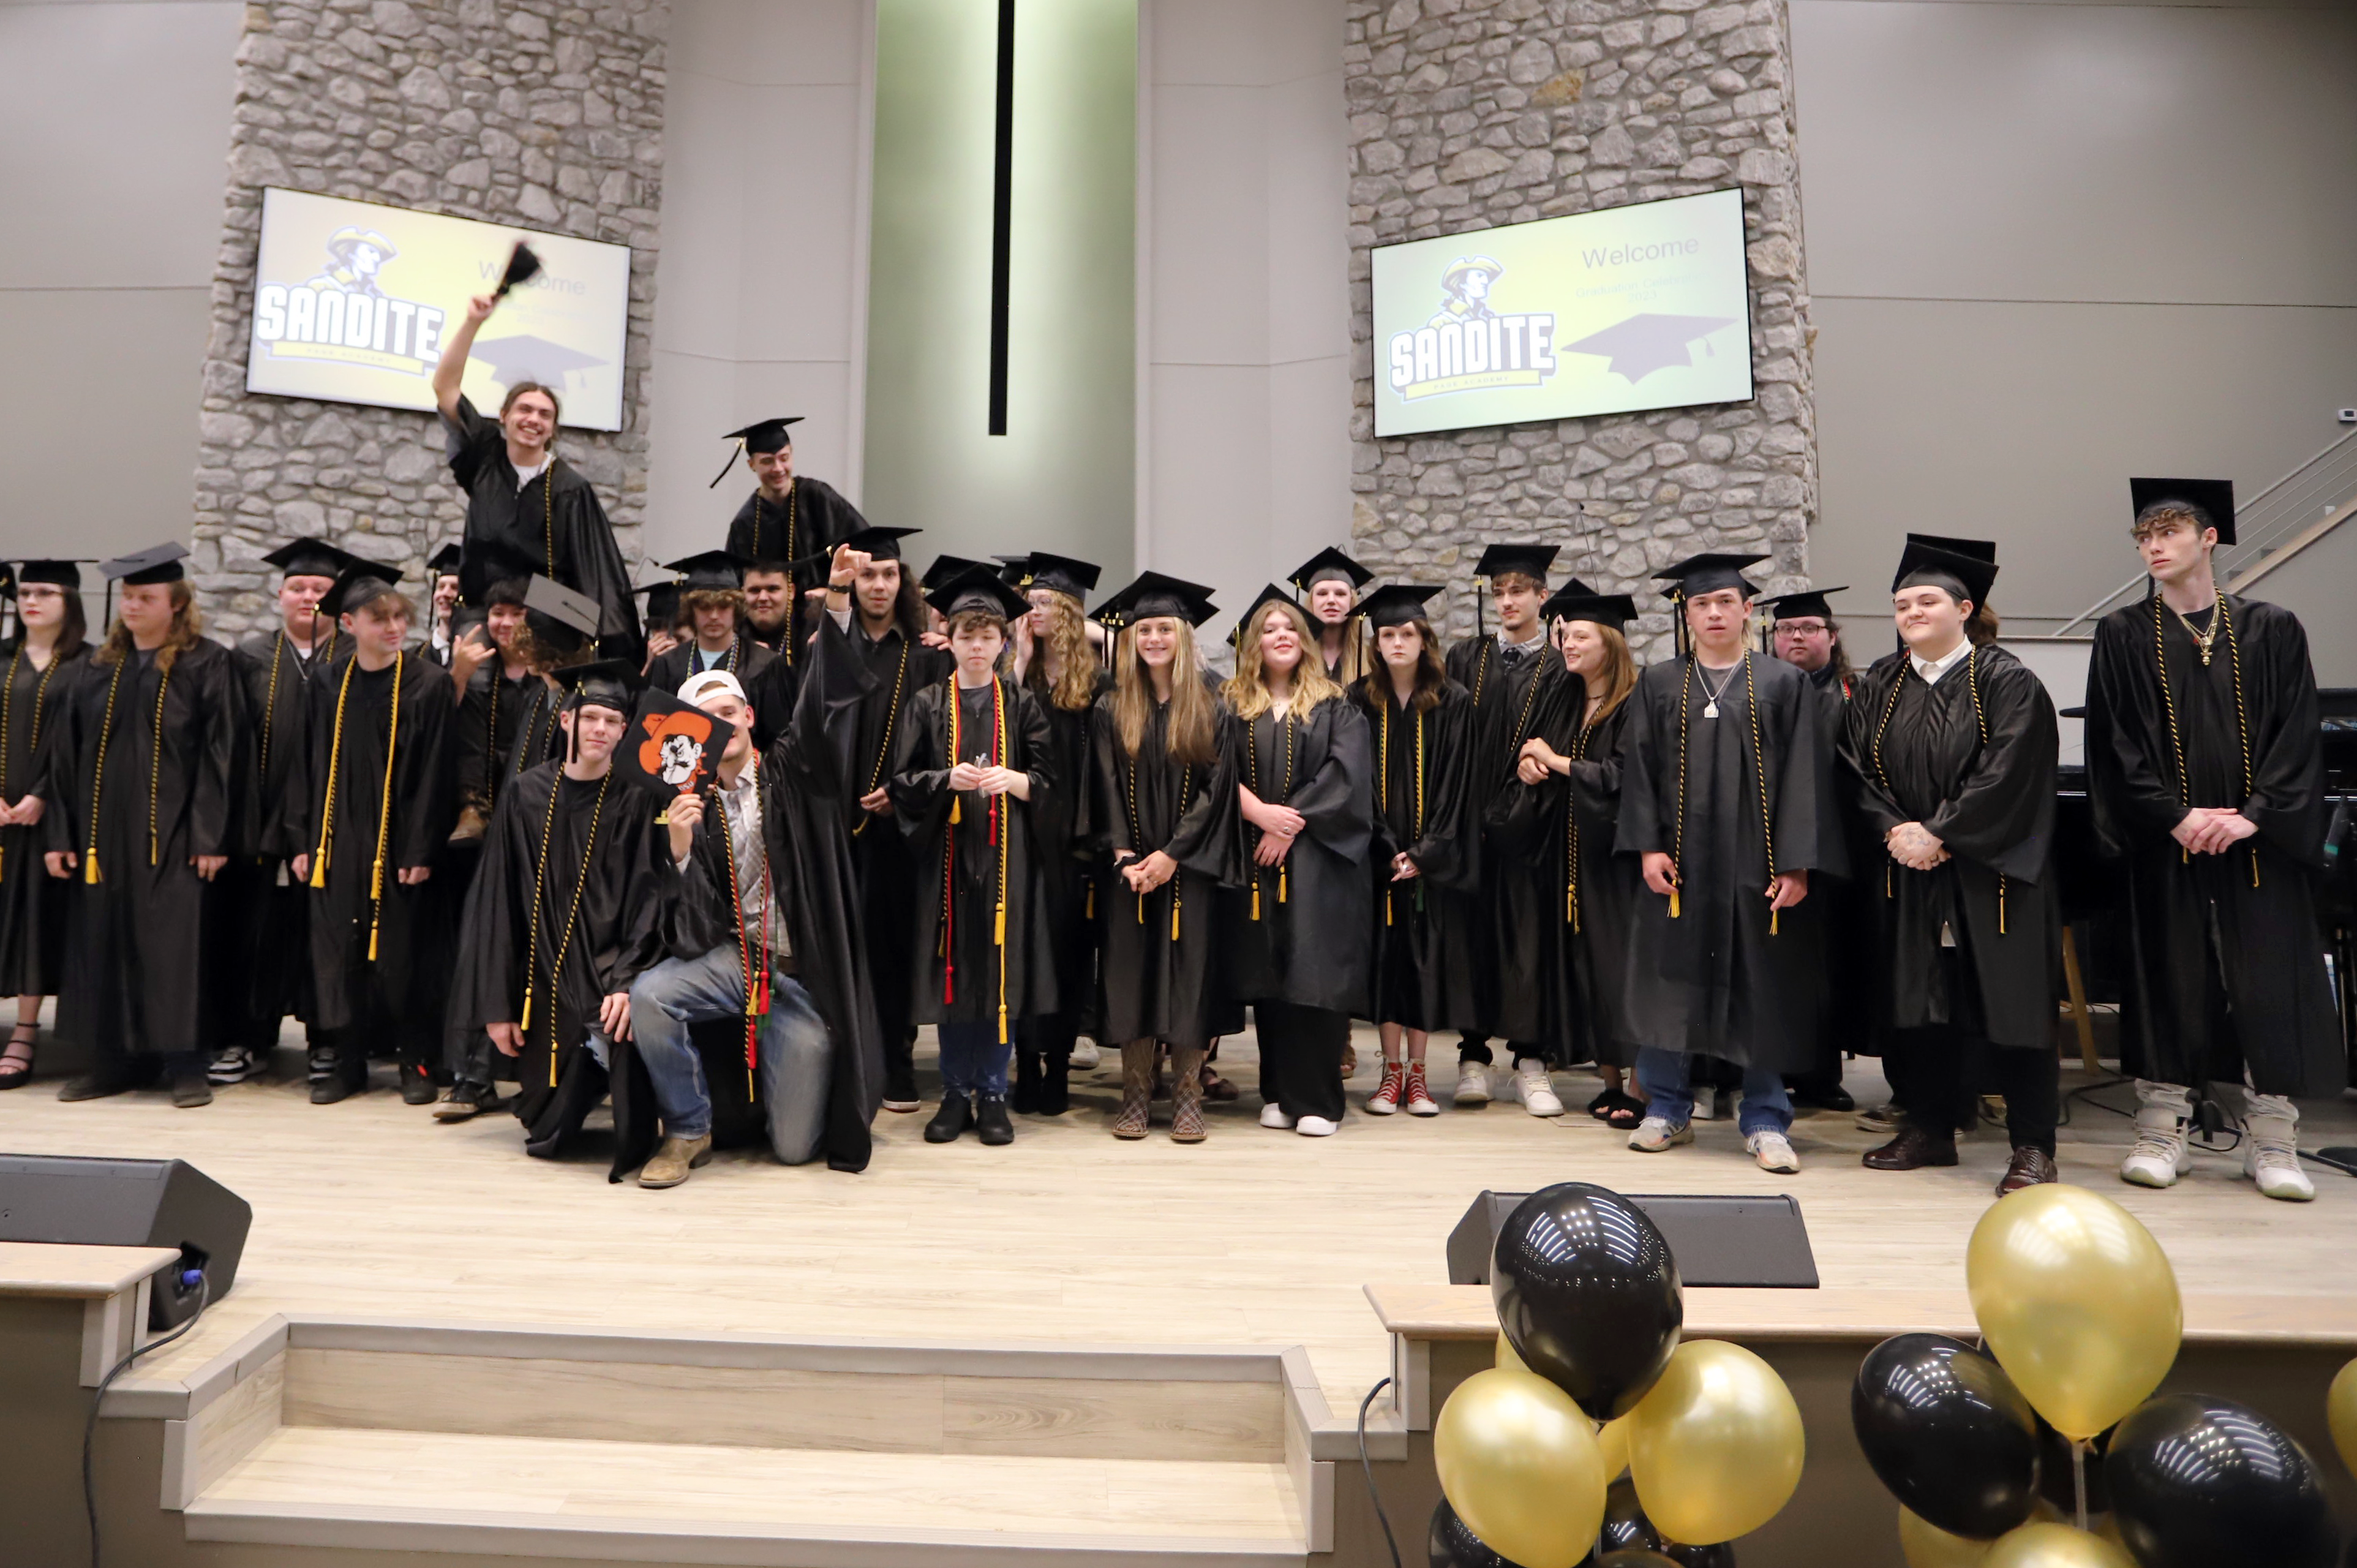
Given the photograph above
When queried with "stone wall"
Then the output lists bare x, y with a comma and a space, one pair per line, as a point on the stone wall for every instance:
1470, 113
533, 112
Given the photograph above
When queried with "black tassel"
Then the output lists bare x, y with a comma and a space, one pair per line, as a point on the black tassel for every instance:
726, 467
523, 266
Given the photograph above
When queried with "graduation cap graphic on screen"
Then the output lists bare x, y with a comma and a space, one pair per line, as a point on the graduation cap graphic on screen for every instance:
1643, 344
528, 359
671, 746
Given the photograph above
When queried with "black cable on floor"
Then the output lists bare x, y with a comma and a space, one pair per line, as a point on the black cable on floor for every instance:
1385, 1520
90, 1427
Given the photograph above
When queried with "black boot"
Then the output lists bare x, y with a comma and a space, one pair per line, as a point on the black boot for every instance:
1026, 1095
1055, 1081
417, 1087
990, 1120
337, 1073
185, 1071
955, 1116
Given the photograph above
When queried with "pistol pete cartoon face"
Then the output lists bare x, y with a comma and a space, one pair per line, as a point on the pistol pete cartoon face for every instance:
673, 749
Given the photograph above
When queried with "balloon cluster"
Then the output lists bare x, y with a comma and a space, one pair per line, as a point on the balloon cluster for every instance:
2001, 1459
1591, 1379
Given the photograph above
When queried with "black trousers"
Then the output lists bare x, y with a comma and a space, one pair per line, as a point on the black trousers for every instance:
1476, 1048
1938, 1074
1301, 1058
1043, 1063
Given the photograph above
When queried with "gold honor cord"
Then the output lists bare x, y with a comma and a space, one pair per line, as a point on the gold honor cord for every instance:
1980, 722
335, 765
2241, 720
1571, 845
540, 892
757, 985
384, 807
156, 762
1178, 896
270, 700
884, 747
98, 776
1758, 767
7, 705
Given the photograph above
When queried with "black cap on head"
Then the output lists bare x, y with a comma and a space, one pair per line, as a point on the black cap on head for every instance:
1531, 560
1805, 602
443, 563
607, 682
662, 603
880, 544
1331, 562
943, 568
1396, 604
1708, 574
309, 557
1615, 610
1061, 573
1978, 549
709, 569
66, 574
766, 435
2212, 499
158, 563
1154, 594
1961, 575
358, 585
555, 611
1014, 571
1250, 620
978, 588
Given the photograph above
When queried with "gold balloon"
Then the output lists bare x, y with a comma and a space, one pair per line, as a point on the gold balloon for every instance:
1518, 1462
1506, 1356
2078, 1303
1927, 1546
2341, 1413
1612, 1441
2054, 1546
1715, 1446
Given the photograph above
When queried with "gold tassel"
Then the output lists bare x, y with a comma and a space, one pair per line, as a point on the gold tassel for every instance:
1255, 897
1174, 919
1674, 903
956, 815
1141, 909
1090, 912
1280, 882
1771, 922
89, 868
1388, 894
371, 958
999, 936
524, 1022
2255, 867
319, 867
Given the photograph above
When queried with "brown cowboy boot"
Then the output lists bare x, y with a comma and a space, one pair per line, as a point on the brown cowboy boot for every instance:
1136, 1089
1186, 1096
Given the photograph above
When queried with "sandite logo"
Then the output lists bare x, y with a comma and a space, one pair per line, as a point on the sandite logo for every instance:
1468, 346
343, 313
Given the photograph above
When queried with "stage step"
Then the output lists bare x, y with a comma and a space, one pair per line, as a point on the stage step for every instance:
381, 1490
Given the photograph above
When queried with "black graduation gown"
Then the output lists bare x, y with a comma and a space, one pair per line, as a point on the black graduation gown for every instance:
557, 507
1430, 930
615, 918
1533, 697
365, 931
1306, 937
33, 904
968, 980
538, 736
1064, 830
813, 518
1155, 982
488, 718
1972, 760
1715, 981
804, 780
1850, 1019
145, 955
1594, 898
751, 662
895, 669
2268, 946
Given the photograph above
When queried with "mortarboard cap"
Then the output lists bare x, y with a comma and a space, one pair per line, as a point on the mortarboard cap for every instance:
158, 563
1805, 602
1978, 549
1331, 562
608, 682
709, 569
1708, 574
1967, 576
943, 568
1154, 595
443, 563
1250, 620
1531, 560
66, 574
881, 543
1061, 573
978, 588
523, 266
761, 435
663, 603
2212, 499
310, 557
1015, 570
1615, 610
1396, 604
356, 586
552, 609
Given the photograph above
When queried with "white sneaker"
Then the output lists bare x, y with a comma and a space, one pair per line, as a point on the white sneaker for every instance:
1707, 1106
2271, 1156
1472, 1084
1317, 1127
1533, 1089
1773, 1151
2160, 1157
1085, 1056
1274, 1116
1654, 1135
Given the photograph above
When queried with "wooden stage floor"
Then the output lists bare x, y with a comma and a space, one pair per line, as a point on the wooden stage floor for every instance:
369, 1208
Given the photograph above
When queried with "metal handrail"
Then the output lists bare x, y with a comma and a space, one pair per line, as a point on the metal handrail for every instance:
2255, 542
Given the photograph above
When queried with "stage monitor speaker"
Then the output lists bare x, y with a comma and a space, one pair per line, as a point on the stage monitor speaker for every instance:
1754, 1241
132, 1203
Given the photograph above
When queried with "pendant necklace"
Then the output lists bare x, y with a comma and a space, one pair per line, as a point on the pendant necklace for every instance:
1711, 697
2201, 640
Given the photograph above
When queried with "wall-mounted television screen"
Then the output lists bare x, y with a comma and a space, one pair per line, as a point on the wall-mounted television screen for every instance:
352, 302
1607, 312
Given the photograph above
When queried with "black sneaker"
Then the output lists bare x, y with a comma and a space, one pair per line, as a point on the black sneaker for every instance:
416, 1085
96, 1086
340, 1081
955, 1116
990, 1120
190, 1088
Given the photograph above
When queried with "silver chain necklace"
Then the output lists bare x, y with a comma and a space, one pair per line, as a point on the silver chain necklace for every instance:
1711, 695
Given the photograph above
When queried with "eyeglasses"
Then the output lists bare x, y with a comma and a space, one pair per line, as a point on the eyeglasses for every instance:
1802, 628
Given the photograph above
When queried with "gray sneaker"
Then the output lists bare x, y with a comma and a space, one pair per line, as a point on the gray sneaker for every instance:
232, 1064
1654, 1135
1882, 1118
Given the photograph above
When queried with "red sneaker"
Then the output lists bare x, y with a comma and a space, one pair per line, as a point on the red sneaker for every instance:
1386, 1097
1420, 1101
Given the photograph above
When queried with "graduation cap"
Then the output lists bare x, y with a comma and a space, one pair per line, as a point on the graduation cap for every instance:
358, 585
158, 563
1271, 594
1060, 572
554, 611
529, 359
310, 557
879, 543
2211, 499
523, 266
761, 435
1978, 549
1615, 610
1643, 344
978, 588
943, 568
608, 682
1805, 602
663, 603
1531, 560
1708, 574
1966, 577
1396, 604
709, 569
443, 563
672, 747
1331, 562
1014, 570
65, 574
1154, 594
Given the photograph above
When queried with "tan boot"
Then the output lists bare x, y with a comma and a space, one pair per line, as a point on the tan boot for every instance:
1186, 1096
1136, 1089
674, 1160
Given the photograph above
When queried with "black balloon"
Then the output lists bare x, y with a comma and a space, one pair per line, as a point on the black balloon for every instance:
2198, 1482
1948, 1432
1587, 1295
2055, 1481
1626, 1529
1635, 1557
1454, 1545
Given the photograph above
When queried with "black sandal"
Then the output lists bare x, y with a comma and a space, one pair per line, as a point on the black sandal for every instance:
1617, 1108
17, 1061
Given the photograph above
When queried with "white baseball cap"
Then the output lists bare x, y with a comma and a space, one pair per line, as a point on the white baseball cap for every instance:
711, 684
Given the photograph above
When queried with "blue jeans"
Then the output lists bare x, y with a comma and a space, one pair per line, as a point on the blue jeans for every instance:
794, 1050
972, 1062
1662, 1074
